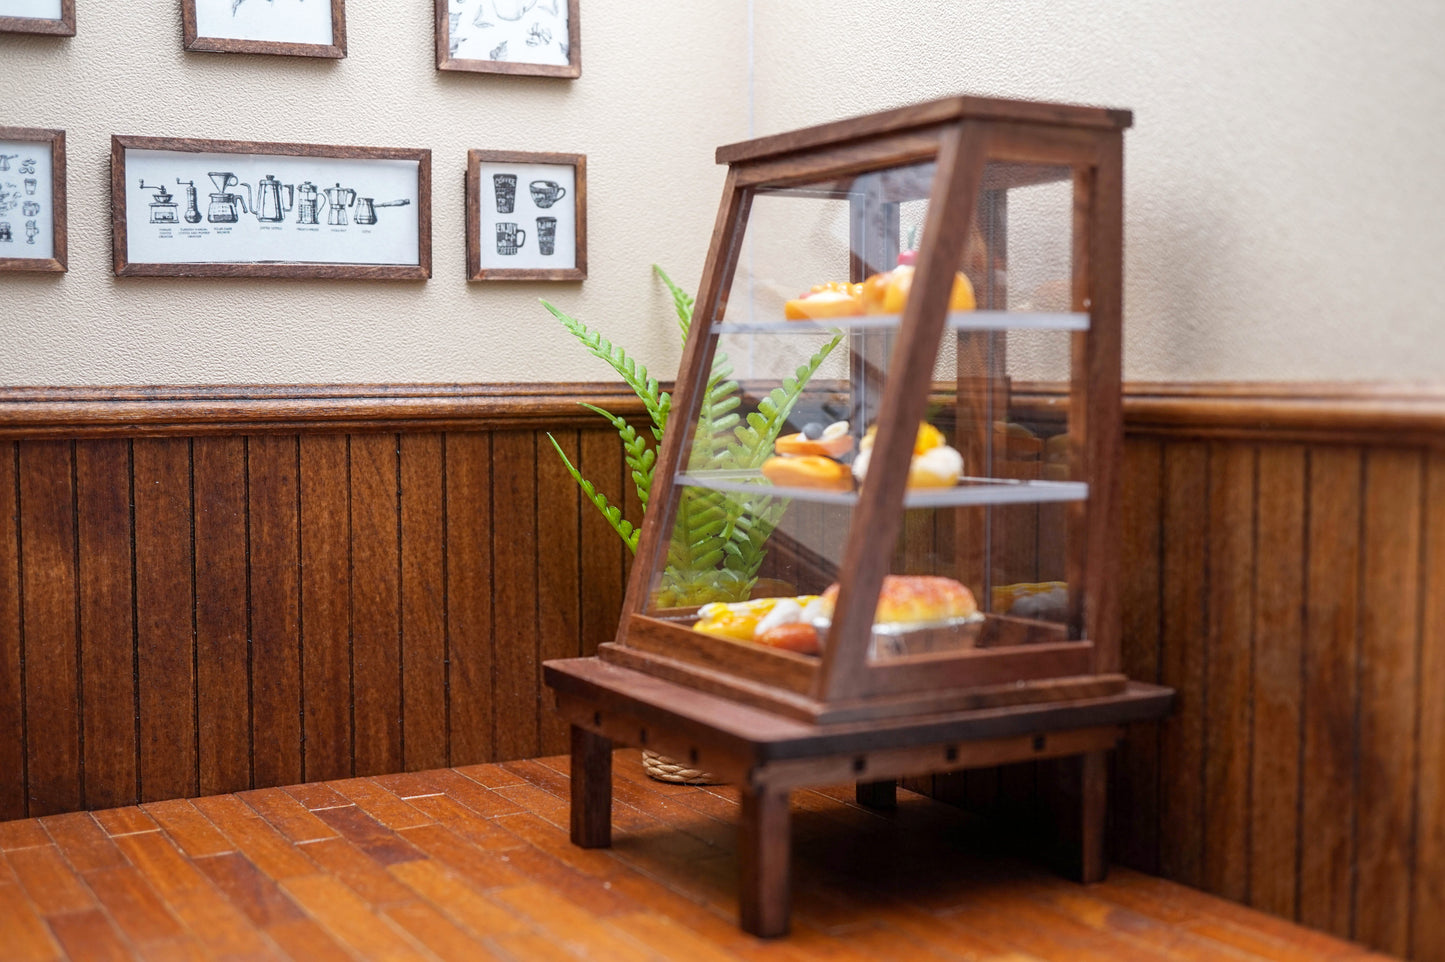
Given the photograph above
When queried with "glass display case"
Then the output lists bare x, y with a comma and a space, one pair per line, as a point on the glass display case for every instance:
887, 481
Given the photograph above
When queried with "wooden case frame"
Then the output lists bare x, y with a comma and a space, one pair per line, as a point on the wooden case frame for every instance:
474, 200
125, 267
58, 262
570, 71
64, 27
335, 50
1081, 659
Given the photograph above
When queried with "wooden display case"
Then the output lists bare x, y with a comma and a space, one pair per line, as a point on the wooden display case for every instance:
1024, 200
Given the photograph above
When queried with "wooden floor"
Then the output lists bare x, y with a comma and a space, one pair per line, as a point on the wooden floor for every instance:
474, 863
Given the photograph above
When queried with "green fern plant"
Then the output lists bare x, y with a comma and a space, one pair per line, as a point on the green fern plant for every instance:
719, 538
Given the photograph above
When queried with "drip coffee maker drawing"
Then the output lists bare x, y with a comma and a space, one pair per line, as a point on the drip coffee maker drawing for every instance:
268, 206
223, 201
163, 207
546, 235
193, 210
365, 213
338, 198
506, 189
545, 193
509, 238
308, 204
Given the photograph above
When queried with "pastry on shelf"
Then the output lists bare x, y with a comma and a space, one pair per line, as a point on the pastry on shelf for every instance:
887, 292
1041, 600
830, 442
908, 600
788, 623
808, 471
822, 301
934, 463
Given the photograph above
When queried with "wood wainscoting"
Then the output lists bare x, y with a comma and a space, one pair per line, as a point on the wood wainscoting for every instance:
208, 590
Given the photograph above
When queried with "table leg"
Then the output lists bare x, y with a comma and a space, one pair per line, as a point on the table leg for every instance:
882, 794
591, 789
1094, 828
763, 898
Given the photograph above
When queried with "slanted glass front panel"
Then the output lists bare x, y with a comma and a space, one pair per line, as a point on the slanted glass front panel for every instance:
780, 449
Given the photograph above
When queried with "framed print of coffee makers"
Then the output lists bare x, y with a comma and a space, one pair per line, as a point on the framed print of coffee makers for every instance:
295, 28
526, 216
32, 200
539, 38
226, 208
38, 16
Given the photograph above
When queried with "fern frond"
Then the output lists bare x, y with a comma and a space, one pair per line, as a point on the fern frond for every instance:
641, 457
608, 510
682, 301
635, 375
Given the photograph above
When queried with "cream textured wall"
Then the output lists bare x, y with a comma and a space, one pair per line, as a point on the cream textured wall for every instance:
660, 89
1285, 177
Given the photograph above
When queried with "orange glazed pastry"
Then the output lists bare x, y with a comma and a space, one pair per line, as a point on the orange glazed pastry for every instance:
813, 439
834, 299
808, 471
887, 293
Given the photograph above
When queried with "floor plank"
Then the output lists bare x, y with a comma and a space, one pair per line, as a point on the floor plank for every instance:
476, 863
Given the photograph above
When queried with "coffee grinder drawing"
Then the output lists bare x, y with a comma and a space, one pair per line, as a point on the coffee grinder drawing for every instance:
163, 207
193, 210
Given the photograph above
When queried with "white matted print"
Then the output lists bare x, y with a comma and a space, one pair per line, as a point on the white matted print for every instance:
509, 36
526, 216
38, 16
270, 209
32, 199
37, 9
297, 27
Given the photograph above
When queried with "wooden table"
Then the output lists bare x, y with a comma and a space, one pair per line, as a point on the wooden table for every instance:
768, 756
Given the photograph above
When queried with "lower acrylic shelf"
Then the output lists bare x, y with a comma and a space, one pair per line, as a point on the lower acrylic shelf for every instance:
968, 491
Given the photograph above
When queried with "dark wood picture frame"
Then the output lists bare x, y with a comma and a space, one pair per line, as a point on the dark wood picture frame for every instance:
476, 197
54, 140
64, 27
334, 50
125, 267
570, 71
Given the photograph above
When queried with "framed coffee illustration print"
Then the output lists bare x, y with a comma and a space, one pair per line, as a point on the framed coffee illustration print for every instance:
541, 38
526, 216
32, 200
38, 16
225, 208
296, 28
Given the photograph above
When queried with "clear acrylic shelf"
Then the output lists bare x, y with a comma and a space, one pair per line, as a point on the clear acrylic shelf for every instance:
957, 321
968, 491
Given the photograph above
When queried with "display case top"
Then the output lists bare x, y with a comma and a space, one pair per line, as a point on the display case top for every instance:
924, 115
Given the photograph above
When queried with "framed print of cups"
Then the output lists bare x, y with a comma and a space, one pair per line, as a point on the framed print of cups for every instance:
38, 16
295, 28
269, 210
526, 216
32, 200
540, 38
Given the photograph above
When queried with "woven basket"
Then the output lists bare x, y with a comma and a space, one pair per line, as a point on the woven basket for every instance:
664, 769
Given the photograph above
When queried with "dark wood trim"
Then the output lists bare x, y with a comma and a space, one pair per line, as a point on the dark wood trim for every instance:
64, 27
57, 263
124, 267
335, 50
474, 200
571, 71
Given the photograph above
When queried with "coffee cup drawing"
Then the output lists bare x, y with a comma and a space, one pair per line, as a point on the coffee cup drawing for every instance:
545, 193
506, 188
510, 239
546, 235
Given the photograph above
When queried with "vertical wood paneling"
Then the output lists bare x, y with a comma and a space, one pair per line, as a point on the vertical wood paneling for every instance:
51, 662
1427, 930
326, 686
165, 644
1182, 663
107, 650
423, 603
514, 550
1136, 796
1389, 640
558, 543
1230, 577
375, 604
12, 684
223, 678
469, 596
1278, 630
1327, 802
275, 609
601, 551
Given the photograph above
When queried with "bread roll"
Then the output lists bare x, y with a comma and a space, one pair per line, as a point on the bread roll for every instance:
910, 599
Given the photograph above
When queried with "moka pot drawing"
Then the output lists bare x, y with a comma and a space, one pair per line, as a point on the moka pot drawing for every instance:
338, 198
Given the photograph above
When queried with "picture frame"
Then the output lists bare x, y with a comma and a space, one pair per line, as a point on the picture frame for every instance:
526, 216
33, 233
286, 223
289, 28
537, 38
55, 17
